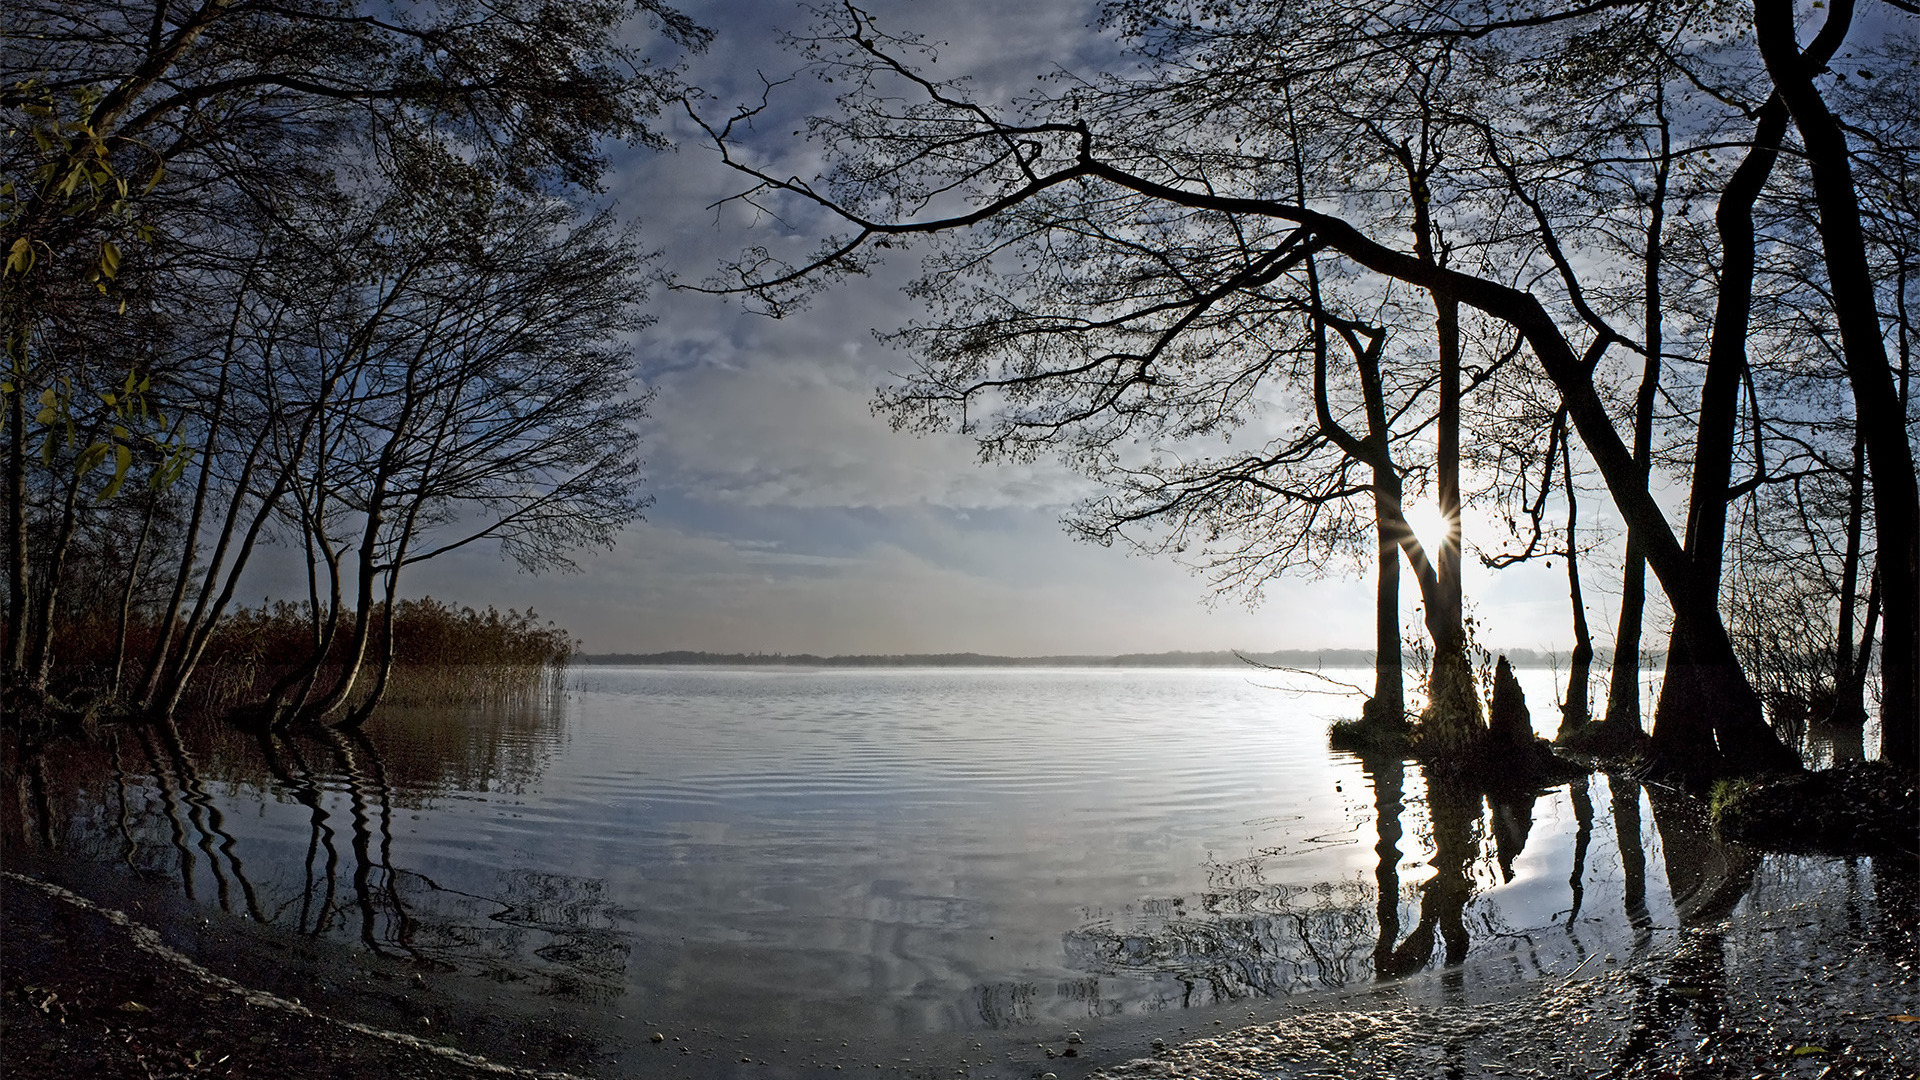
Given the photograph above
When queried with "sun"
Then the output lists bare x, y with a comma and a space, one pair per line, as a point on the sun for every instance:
1429, 525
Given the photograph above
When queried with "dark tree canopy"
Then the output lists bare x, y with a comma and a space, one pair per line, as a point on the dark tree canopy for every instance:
1120, 264
322, 273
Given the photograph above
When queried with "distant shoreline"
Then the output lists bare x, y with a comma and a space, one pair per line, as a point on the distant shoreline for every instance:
1295, 658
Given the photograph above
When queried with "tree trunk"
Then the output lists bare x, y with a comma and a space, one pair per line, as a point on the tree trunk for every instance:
126, 598
164, 678
207, 612
190, 543
1623, 683
1452, 722
1683, 718
383, 672
1896, 495
1389, 702
1848, 707
288, 697
18, 587
1388, 705
1576, 713
41, 620
1850, 695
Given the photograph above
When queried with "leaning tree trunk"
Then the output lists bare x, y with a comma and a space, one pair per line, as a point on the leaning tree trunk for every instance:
1701, 681
46, 602
190, 537
1896, 496
1389, 702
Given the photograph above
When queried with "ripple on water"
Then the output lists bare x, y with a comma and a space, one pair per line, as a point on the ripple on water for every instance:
884, 852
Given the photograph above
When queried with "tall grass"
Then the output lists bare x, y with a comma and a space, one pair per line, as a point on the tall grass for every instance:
443, 653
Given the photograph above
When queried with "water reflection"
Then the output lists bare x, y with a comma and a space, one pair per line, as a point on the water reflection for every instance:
1265, 939
875, 861
169, 821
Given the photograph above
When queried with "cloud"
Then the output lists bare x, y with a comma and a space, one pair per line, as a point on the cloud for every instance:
928, 580
789, 518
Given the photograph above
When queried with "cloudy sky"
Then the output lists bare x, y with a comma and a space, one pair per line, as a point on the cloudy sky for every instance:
788, 519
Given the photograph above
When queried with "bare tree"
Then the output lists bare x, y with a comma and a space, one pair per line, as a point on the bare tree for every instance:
148, 129
1144, 168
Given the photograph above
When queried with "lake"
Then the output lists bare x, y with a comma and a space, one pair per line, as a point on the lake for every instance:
853, 866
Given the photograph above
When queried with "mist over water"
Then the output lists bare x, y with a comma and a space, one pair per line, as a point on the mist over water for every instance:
880, 856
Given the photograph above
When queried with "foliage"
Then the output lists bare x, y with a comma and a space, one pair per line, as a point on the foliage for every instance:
320, 273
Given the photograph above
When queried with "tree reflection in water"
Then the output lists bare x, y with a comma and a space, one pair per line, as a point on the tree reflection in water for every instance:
1265, 939
165, 801
139, 796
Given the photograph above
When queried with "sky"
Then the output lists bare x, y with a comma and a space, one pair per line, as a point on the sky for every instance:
787, 518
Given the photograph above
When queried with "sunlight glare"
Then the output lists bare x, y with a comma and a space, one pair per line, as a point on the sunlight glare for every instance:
1428, 524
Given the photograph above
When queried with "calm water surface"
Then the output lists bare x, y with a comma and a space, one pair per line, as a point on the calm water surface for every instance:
782, 856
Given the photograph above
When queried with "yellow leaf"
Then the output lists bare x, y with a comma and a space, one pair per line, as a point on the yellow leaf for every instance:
20, 256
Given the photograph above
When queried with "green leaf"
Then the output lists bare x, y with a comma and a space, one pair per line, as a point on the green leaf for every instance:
123, 460
20, 256
1803, 1051
90, 458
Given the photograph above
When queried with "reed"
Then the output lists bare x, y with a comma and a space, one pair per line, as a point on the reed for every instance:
443, 653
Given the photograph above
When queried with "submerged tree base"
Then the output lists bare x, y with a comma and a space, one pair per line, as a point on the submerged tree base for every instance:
1372, 736
1855, 808
1500, 755
1620, 741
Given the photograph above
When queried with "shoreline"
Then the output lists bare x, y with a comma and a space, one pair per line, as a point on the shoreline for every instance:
1803, 990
